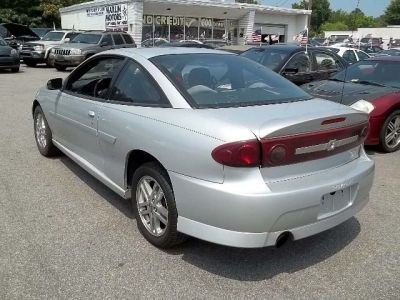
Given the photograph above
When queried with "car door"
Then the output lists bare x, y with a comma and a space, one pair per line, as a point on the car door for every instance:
298, 69
77, 109
326, 64
122, 119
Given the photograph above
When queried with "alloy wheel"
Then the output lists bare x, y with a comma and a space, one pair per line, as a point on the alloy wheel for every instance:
392, 136
152, 206
41, 132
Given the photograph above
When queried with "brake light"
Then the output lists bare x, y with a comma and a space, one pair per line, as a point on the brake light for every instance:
239, 154
286, 150
298, 148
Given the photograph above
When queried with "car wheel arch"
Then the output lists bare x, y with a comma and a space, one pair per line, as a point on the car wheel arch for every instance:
135, 159
34, 105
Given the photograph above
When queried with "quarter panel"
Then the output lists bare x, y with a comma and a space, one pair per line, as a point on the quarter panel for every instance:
179, 149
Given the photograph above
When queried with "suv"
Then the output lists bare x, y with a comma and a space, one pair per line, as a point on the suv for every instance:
87, 44
38, 52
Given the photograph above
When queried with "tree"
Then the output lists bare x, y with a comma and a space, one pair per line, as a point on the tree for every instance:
336, 26
247, 1
321, 12
392, 13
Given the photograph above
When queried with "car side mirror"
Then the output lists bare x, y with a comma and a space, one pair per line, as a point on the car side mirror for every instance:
55, 84
290, 71
67, 40
103, 44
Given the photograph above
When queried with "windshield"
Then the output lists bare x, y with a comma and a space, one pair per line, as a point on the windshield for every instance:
53, 36
40, 31
218, 80
87, 38
375, 72
271, 58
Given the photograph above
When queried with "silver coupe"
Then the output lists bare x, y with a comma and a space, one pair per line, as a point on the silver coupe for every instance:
208, 144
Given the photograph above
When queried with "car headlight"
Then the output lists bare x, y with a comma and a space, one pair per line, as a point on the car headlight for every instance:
363, 106
38, 48
76, 52
14, 53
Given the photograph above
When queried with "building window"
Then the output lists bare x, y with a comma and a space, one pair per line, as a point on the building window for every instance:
219, 29
191, 28
205, 29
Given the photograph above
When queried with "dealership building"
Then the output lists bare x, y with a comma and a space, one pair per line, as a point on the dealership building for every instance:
187, 19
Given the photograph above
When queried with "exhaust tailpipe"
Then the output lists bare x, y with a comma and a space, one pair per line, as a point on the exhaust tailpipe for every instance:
283, 238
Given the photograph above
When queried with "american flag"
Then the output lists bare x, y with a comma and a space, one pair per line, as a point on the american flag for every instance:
302, 37
256, 36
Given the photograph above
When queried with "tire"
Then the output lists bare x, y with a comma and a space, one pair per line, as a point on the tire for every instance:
60, 68
49, 62
31, 64
15, 70
43, 135
160, 234
391, 126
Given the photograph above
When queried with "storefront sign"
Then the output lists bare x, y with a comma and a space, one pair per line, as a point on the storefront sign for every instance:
95, 11
117, 17
163, 20
180, 21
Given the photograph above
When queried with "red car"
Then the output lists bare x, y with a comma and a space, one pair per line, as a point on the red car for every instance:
375, 81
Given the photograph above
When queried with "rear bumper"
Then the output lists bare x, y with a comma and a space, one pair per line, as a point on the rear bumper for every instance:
222, 214
9, 62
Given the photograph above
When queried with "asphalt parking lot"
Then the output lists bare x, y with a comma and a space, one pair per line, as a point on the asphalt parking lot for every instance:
63, 235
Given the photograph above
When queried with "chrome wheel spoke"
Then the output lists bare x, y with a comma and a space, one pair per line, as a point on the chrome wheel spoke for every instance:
390, 137
151, 204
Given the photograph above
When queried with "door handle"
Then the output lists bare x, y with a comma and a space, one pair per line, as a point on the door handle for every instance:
91, 114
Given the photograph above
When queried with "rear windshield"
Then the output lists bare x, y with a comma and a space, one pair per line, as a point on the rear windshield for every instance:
224, 80
87, 38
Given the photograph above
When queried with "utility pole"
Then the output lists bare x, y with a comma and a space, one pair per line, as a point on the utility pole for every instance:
309, 16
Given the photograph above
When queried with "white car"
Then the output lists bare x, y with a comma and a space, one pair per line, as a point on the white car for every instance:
351, 55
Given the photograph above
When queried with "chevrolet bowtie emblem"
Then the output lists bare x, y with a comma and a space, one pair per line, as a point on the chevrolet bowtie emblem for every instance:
331, 145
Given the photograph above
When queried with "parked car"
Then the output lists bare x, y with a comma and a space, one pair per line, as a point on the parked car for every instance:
34, 53
41, 32
376, 81
16, 34
154, 42
351, 55
297, 65
87, 44
236, 49
186, 44
389, 52
215, 43
208, 144
9, 57
371, 50
371, 41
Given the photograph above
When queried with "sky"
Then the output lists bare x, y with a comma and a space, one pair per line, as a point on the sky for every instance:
370, 7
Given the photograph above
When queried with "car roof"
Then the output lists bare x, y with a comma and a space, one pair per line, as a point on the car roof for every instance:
386, 58
159, 51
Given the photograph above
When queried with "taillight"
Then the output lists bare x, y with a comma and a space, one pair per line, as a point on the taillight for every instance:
239, 154
303, 147
286, 150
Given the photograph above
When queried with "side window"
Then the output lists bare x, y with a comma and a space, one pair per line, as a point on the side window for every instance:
94, 78
128, 39
135, 86
362, 55
301, 62
107, 39
350, 56
326, 61
118, 39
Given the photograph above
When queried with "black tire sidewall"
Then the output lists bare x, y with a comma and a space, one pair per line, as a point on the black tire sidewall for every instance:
383, 133
155, 171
